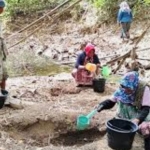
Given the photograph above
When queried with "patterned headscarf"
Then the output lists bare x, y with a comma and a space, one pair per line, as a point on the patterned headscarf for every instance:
125, 7
130, 80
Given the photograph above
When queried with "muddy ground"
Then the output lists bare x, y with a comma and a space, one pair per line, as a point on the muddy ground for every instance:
43, 110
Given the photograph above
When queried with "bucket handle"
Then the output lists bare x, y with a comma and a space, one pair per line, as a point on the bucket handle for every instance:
116, 127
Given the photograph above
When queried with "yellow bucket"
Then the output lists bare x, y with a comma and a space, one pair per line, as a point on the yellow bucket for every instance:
90, 67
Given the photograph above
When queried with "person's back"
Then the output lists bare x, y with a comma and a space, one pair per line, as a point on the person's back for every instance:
125, 16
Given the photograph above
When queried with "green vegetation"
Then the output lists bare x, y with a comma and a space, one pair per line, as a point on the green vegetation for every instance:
26, 7
108, 8
28, 63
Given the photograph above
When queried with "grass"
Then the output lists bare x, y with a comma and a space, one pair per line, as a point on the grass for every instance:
26, 63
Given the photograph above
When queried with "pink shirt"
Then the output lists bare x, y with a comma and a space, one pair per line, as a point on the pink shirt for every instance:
146, 97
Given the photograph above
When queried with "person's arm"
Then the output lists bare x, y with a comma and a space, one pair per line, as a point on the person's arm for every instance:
96, 61
144, 111
4, 49
131, 15
119, 17
107, 104
79, 62
143, 114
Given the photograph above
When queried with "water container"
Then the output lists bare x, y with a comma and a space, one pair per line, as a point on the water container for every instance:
90, 67
120, 134
106, 71
99, 85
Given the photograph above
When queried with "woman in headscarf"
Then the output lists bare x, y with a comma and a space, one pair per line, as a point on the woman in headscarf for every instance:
133, 99
125, 18
81, 75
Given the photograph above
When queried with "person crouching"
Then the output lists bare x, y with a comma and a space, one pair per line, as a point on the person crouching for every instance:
80, 73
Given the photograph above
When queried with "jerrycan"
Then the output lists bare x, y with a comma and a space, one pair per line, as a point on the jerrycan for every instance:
90, 67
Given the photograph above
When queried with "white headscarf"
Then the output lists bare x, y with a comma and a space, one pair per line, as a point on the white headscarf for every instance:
125, 7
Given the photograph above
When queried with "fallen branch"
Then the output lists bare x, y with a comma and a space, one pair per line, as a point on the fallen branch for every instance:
62, 12
120, 64
134, 48
143, 59
145, 49
131, 53
54, 19
25, 37
108, 56
119, 58
41, 18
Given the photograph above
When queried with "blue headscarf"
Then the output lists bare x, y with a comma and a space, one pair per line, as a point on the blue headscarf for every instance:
2, 3
130, 80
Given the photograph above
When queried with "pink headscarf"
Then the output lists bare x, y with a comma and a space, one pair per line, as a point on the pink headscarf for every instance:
88, 48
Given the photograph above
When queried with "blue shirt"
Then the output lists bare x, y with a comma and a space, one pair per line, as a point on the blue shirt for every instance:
125, 16
81, 59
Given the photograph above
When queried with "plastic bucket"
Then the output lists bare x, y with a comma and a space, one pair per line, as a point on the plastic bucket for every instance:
82, 122
99, 85
120, 133
4, 92
2, 100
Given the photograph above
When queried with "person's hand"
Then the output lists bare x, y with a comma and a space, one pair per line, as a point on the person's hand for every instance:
145, 128
136, 121
81, 67
99, 108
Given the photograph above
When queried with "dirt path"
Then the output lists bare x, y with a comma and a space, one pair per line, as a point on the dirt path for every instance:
48, 120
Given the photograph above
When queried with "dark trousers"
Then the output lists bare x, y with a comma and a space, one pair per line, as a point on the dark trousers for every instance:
125, 29
147, 143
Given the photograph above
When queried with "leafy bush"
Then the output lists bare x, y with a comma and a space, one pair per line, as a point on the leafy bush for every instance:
24, 7
147, 1
108, 8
